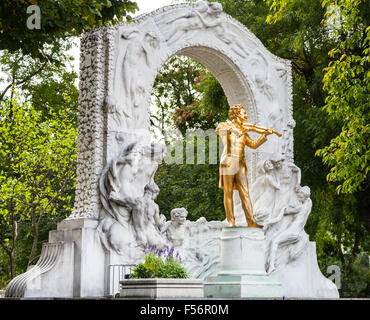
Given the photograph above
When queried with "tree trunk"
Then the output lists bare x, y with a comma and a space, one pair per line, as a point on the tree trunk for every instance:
12, 248
34, 244
12, 264
356, 245
341, 255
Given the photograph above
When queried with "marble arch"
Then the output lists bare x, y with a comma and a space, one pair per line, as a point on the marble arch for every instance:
119, 65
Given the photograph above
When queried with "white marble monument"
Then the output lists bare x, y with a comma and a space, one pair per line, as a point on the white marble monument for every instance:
115, 216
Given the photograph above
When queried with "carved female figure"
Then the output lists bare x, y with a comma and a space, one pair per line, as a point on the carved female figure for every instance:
294, 232
136, 54
264, 192
213, 20
287, 141
181, 25
289, 177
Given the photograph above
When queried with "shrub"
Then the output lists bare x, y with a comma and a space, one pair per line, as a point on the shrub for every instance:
160, 264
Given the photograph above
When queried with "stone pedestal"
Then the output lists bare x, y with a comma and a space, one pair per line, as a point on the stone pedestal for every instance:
71, 264
242, 270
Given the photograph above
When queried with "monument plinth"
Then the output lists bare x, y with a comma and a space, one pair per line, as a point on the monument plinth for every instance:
242, 267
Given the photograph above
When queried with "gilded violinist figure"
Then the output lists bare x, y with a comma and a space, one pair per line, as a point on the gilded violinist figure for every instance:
233, 169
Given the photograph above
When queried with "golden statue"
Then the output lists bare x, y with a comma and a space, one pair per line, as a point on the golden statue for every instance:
233, 169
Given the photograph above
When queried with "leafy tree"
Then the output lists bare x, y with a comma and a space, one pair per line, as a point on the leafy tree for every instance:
37, 171
347, 83
192, 186
59, 20
28, 75
178, 96
52, 92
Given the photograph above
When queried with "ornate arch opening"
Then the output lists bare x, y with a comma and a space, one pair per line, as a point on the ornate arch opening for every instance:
119, 65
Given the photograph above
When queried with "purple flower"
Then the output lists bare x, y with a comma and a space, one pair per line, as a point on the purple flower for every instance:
166, 253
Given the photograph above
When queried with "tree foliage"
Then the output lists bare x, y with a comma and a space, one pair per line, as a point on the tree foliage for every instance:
59, 20
347, 83
37, 170
345, 86
182, 99
46, 84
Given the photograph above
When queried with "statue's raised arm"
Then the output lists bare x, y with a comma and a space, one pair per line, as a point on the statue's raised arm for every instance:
259, 129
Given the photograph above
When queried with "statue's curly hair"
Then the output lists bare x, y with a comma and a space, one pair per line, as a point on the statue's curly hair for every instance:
178, 212
151, 187
305, 191
234, 111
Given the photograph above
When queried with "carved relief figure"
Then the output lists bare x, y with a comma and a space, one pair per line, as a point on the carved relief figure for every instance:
127, 195
259, 69
204, 15
124, 165
282, 71
112, 107
289, 177
180, 26
136, 207
213, 20
201, 247
292, 232
233, 169
175, 229
287, 141
264, 190
154, 221
145, 218
136, 57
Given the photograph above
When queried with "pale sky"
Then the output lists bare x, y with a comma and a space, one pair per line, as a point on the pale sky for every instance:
150, 5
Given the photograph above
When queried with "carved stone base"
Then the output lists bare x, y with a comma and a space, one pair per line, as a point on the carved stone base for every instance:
161, 288
303, 278
53, 267
242, 273
71, 264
